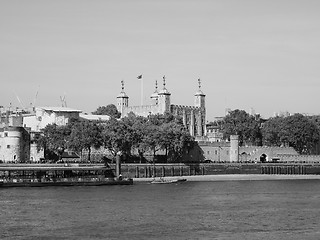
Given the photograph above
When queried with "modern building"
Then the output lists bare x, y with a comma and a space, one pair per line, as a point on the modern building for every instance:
49, 115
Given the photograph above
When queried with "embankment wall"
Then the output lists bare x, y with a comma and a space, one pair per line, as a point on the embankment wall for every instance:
168, 170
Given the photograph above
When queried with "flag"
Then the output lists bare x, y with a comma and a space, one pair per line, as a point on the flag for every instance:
139, 77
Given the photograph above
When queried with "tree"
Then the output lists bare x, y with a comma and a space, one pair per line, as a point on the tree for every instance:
85, 135
110, 110
139, 130
297, 131
175, 139
116, 137
54, 139
271, 131
240, 123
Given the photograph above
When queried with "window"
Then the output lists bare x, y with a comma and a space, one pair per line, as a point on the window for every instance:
228, 152
8, 146
208, 152
6, 134
215, 152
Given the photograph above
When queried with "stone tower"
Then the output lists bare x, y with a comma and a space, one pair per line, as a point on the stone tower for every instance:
234, 148
199, 100
164, 99
155, 96
122, 99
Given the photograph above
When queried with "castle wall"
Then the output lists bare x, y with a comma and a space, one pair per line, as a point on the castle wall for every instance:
194, 118
253, 153
142, 110
35, 154
298, 158
216, 151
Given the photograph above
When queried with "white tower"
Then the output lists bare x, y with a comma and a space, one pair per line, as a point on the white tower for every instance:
199, 100
164, 98
122, 99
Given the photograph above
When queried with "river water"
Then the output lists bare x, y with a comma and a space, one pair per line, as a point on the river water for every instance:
286, 209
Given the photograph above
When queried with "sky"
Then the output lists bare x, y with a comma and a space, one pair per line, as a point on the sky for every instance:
260, 54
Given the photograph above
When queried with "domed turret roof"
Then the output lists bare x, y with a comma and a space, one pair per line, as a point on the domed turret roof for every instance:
122, 93
156, 93
199, 92
164, 91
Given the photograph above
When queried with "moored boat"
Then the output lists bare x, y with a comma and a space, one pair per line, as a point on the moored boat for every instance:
52, 175
167, 181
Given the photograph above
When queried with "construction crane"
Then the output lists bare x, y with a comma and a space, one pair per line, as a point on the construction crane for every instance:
63, 101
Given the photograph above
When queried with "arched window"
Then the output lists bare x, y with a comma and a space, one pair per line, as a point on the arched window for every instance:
263, 158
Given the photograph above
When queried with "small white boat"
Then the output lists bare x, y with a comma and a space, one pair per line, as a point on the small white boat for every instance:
167, 181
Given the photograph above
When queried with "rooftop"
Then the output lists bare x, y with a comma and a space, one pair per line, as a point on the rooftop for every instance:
59, 109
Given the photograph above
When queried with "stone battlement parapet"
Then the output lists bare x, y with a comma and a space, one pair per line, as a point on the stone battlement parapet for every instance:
186, 107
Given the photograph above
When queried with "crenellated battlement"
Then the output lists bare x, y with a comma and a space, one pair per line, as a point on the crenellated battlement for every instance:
144, 110
185, 107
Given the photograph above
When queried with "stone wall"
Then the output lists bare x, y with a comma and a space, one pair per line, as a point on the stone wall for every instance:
299, 158
168, 170
142, 110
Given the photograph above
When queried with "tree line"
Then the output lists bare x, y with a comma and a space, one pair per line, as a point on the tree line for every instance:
297, 131
135, 135
126, 136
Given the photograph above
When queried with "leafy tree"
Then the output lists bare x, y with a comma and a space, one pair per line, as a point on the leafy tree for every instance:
271, 131
116, 137
139, 129
240, 123
297, 131
175, 139
54, 139
85, 135
110, 110
151, 134
159, 119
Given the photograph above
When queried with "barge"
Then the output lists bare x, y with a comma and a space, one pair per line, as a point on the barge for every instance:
38, 175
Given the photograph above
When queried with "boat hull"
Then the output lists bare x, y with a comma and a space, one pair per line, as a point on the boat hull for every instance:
164, 181
66, 183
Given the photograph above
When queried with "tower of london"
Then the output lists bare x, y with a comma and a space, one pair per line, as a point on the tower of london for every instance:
194, 117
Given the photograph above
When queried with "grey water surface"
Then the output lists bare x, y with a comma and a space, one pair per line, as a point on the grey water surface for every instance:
286, 209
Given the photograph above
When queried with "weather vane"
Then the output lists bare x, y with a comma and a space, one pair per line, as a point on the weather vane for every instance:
122, 85
199, 81
164, 81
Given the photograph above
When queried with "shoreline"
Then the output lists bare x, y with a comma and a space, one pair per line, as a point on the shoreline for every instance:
236, 177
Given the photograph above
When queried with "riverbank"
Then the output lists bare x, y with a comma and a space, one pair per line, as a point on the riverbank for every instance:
237, 177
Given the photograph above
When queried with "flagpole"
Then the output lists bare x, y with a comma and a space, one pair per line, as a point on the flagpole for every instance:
141, 91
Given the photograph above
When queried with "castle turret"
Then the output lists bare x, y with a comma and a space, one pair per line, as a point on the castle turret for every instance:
15, 144
234, 148
199, 100
155, 96
191, 126
164, 98
122, 99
